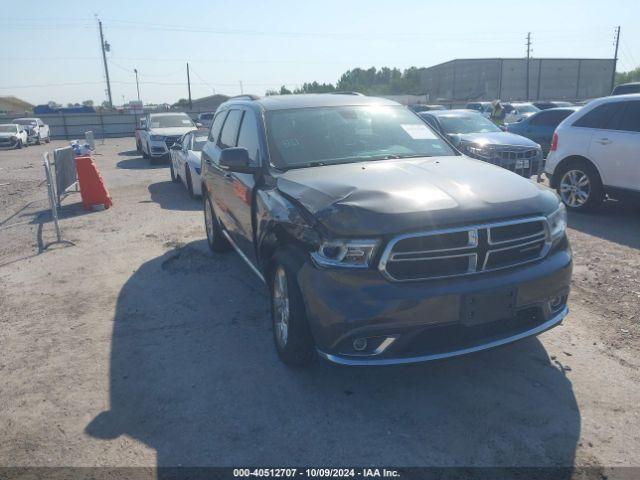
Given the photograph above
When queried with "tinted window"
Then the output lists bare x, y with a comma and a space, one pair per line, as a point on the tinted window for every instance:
600, 117
624, 89
217, 126
463, 124
550, 118
229, 133
474, 106
630, 119
321, 136
249, 137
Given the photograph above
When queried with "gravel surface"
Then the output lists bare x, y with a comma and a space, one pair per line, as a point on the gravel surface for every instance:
132, 345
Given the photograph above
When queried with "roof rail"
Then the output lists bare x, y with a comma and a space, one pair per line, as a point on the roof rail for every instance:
348, 93
246, 96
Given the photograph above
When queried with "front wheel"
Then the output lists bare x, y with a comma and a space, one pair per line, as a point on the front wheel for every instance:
174, 178
215, 239
189, 182
291, 334
48, 139
19, 144
580, 187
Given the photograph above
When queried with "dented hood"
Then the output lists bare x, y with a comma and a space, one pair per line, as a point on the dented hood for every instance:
394, 196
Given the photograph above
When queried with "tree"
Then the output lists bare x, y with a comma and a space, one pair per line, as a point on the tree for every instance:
88, 103
53, 104
630, 76
182, 103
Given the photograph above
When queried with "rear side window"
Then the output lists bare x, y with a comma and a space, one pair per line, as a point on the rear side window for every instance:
249, 137
549, 119
217, 126
229, 133
600, 117
630, 119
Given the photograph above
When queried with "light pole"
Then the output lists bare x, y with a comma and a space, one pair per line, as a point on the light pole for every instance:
137, 84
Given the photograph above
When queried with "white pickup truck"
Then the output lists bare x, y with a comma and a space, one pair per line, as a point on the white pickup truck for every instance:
37, 130
158, 131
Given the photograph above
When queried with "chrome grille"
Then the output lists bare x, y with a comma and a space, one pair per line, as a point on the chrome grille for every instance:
171, 140
465, 250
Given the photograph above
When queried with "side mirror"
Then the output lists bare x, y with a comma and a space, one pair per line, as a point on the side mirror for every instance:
199, 125
176, 146
236, 159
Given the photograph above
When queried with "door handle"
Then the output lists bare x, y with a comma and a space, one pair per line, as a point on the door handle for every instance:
604, 141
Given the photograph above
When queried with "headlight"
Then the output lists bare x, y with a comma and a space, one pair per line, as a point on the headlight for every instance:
345, 253
478, 151
558, 222
157, 138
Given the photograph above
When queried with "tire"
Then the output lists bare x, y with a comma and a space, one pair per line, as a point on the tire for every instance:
291, 334
215, 239
174, 178
579, 186
138, 146
145, 154
38, 140
19, 144
48, 139
189, 182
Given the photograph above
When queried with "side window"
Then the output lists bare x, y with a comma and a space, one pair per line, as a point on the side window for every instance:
217, 126
249, 137
630, 119
186, 142
229, 133
600, 117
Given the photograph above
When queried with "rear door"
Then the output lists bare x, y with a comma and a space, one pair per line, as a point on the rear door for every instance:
615, 146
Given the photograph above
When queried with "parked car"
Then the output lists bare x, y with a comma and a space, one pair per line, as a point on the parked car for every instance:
626, 88
547, 104
158, 131
37, 130
206, 119
480, 138
484, 108
594, 152
380, 244
13, 135
185, 161
519, 111
540, 126
421, 107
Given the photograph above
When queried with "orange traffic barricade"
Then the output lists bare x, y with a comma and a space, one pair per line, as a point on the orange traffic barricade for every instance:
92, 188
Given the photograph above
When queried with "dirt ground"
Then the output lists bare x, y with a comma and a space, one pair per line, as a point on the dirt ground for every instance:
134, 346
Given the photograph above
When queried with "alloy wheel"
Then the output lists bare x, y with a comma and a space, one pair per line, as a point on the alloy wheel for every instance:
575, 188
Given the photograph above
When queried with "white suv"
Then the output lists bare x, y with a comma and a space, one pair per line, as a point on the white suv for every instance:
596, 151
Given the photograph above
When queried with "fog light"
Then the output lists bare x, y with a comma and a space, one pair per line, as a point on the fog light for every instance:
556, 303
360, 344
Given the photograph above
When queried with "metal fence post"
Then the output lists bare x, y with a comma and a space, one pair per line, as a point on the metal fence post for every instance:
52, 195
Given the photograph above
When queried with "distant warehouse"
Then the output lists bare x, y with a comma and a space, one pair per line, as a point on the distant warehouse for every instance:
506, 78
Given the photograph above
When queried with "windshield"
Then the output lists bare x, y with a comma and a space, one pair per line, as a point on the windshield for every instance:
320, 136
198, 143
26, 121
524, 108
167, 121
8, 129
472, 123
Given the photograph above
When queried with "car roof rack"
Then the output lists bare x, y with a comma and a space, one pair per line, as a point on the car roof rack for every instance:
245, 96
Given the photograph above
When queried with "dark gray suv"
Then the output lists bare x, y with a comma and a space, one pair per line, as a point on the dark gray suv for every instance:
380, 243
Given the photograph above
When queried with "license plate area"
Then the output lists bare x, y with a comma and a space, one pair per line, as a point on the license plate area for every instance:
478, 309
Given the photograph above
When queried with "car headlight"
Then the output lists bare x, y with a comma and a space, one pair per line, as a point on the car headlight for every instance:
157, 138
478, 151
558, 222
345, 253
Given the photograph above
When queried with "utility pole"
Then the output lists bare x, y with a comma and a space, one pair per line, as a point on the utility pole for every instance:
137, 84
105, 48
615, 57
528, 61
189, 87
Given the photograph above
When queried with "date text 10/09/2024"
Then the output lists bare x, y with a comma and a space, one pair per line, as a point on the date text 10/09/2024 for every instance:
316, 472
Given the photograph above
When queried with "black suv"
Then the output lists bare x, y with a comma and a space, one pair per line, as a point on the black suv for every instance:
379, 242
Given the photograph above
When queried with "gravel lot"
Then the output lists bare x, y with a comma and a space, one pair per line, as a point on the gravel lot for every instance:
134, 346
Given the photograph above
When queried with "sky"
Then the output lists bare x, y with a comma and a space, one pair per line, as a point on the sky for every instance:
52, 52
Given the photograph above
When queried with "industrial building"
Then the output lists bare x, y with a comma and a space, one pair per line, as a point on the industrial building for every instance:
464, 80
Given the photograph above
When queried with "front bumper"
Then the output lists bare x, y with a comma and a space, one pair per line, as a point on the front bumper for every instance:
422, 321
158, 149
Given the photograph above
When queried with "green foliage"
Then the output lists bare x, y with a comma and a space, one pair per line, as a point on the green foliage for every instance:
626, 77
385, 81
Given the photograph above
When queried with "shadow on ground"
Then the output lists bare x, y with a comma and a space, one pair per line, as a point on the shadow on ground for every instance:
617, 222
140, 163
173, 196
129, 153
194, 375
